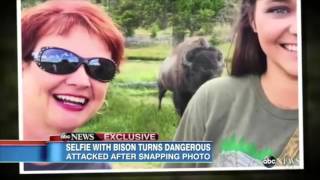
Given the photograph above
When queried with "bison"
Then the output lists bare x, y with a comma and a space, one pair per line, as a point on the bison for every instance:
190, 64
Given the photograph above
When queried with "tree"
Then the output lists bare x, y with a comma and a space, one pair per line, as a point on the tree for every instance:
30, 3
229, 12
124, 12
191, 15
185, 16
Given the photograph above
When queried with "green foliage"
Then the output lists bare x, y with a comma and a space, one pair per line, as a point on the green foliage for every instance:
186, 16
30, 3
125, 14
227, 49
221, 33
229, 12
192, 15
214, 39
154, 29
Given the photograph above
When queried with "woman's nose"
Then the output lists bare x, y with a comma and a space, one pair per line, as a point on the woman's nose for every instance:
79, 78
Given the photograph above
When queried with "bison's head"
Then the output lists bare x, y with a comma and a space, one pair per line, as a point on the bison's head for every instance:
202, 64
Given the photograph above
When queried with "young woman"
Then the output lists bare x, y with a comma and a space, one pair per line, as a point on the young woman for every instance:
71, 50
253, 113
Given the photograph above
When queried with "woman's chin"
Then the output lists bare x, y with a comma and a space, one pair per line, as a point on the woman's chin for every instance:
66, 117
66, 123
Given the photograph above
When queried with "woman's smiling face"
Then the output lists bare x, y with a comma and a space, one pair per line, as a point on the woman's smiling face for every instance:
275, 23
61, 103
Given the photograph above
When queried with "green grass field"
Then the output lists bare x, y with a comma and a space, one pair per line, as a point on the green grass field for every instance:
131, 108
158, 52
128, 110
138, 71
131, 104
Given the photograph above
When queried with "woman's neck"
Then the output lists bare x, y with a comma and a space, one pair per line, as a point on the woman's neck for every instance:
34, 129
281, 89
37, 133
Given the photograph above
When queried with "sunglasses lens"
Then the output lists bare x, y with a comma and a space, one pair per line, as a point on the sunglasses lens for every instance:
61, 61
58, 61
101, 69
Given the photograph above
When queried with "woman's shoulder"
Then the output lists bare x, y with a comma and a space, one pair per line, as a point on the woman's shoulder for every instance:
225, 90
230, 84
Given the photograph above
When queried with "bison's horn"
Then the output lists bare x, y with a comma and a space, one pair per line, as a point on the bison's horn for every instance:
204, 42
185, 62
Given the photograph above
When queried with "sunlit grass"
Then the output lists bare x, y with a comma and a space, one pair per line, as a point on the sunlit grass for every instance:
159, 51
138, 71
127, 110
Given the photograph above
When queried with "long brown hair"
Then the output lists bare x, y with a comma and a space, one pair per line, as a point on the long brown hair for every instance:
248, 57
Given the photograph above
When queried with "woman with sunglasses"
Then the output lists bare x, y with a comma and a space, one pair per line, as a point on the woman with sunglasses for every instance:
253, 114
71, 50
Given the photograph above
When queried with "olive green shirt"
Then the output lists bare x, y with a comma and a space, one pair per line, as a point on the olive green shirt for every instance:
236, 115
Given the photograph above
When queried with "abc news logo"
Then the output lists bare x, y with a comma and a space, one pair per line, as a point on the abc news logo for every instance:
78, 137
269, 161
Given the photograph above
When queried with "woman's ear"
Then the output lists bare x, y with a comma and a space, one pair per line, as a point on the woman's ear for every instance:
252, 22
253, 25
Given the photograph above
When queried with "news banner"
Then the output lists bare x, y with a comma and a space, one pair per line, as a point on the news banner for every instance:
106, 147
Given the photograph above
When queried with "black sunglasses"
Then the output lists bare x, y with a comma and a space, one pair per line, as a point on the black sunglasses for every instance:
61, 61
